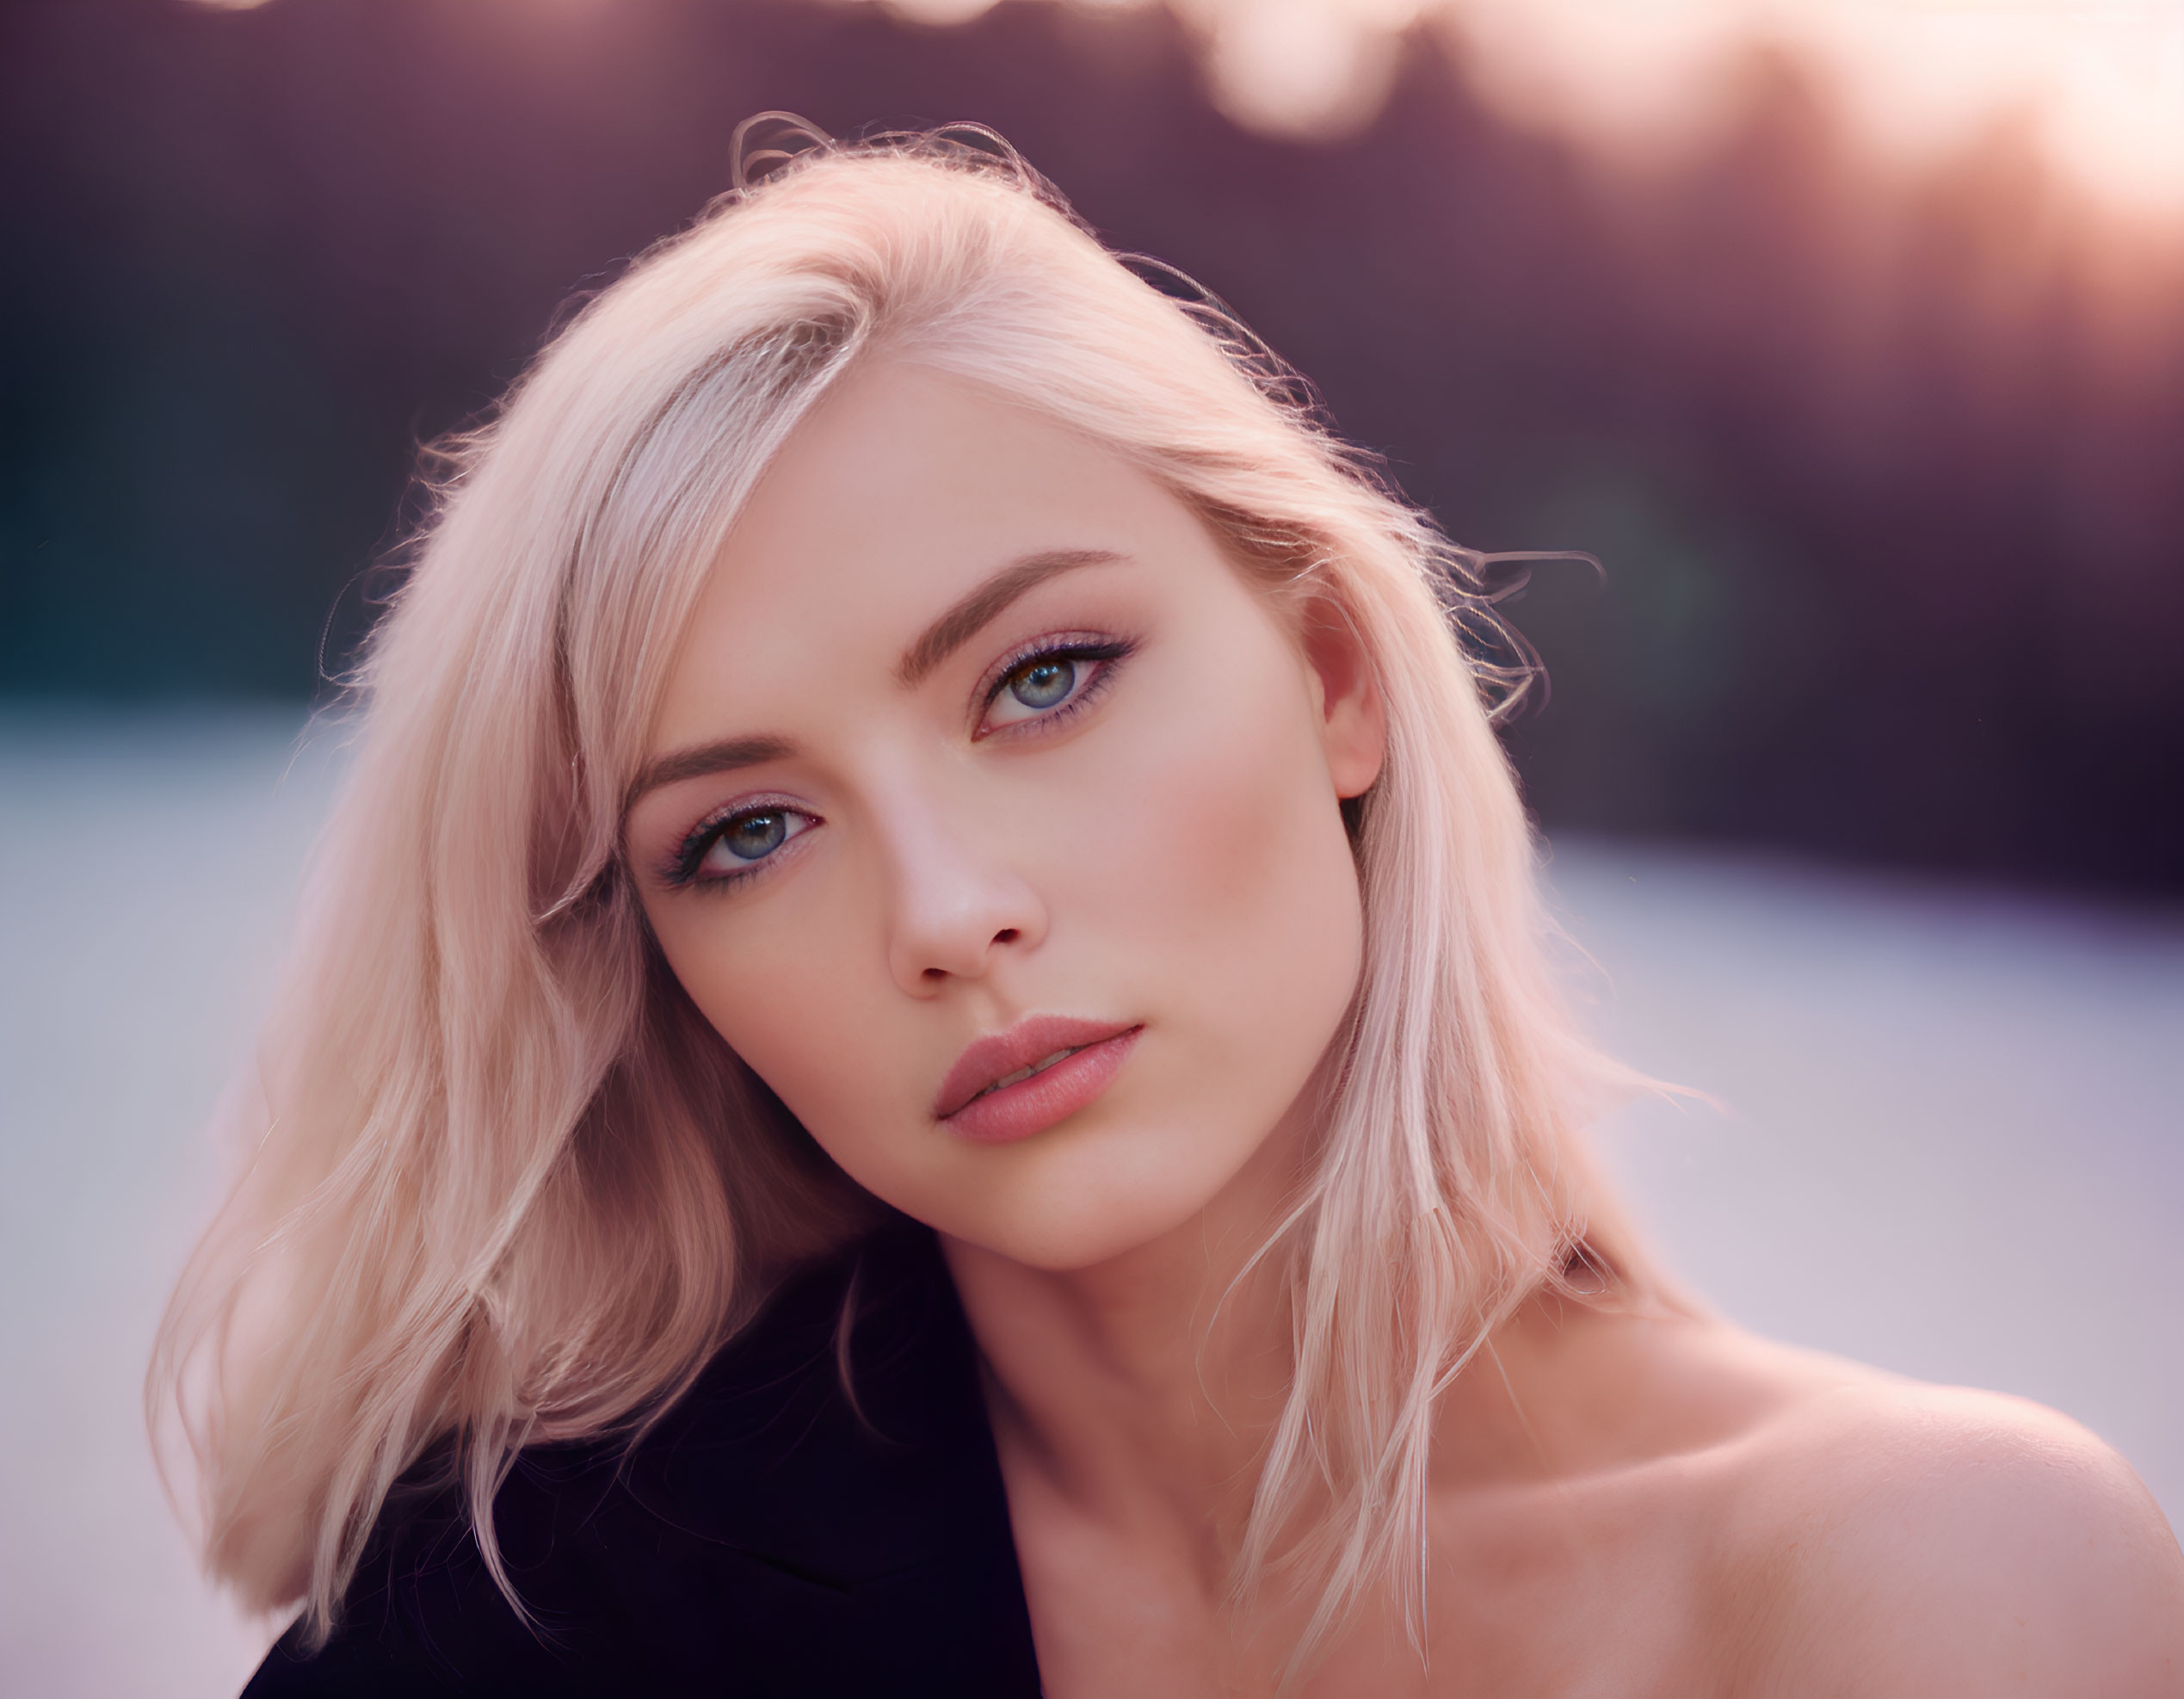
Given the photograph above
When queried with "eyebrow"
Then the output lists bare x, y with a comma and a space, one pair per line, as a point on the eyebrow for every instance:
724, 757
978, 610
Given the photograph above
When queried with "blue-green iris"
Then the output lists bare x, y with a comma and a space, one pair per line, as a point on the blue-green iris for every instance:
1042, 683
751, 837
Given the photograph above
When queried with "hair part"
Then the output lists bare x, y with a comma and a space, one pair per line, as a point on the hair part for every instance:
506, 1185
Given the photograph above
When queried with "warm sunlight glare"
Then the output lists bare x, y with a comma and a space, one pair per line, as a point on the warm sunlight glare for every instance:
2097, 86
2099, 82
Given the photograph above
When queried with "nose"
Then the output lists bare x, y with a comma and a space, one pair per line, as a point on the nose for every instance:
955, 902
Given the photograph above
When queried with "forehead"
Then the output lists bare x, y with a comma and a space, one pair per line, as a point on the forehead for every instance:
901, 491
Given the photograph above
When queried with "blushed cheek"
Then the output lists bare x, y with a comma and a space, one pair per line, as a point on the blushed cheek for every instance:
783, 1002
1251, 868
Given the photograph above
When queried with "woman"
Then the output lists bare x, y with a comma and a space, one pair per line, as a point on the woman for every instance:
921, 1062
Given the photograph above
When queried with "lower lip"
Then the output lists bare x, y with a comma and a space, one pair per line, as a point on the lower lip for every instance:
1033, 1105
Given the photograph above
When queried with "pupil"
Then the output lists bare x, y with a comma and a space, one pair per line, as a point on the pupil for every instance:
1043, 684
756, 835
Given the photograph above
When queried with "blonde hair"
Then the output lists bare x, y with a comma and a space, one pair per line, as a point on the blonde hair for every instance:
507, 1186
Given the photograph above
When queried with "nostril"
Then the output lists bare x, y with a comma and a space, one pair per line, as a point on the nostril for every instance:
1006, 936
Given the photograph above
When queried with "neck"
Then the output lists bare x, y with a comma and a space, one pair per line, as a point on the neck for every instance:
1143, 1390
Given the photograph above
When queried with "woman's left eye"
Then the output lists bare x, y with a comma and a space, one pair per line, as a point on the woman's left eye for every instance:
1039, 685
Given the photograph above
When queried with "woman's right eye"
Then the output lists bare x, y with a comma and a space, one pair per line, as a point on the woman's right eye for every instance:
735, 846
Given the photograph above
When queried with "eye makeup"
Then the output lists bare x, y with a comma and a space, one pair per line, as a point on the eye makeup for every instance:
1040, 684
1048, 681
751, 832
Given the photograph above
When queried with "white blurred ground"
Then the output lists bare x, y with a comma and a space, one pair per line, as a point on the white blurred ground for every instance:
1956, 1144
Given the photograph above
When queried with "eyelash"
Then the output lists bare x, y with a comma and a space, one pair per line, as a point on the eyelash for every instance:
1107, 651
682, 868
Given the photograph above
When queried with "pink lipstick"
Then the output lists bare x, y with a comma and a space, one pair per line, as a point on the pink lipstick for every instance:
1009, 1085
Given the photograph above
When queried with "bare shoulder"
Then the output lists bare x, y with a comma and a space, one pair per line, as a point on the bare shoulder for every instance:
1893, 1538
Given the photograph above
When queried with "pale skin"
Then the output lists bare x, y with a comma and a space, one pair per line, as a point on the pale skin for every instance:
1620, 1506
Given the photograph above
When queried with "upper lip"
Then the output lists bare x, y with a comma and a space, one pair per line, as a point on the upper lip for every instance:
999, 1054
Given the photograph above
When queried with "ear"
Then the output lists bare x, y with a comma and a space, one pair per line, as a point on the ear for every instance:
1353, 717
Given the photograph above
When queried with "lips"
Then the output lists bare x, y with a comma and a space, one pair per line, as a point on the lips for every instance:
1010, 1084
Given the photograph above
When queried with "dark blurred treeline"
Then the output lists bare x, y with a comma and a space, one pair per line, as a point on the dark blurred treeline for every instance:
1889, 476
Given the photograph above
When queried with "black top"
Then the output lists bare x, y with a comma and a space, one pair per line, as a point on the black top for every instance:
764, 1539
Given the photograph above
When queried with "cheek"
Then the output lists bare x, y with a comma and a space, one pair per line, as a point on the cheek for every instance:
1235, 874
779, 984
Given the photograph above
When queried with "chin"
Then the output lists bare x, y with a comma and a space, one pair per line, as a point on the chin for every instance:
1073, 1215
1072, 1247
1077, 1247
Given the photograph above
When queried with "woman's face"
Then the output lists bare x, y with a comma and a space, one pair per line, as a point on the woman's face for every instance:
979, 753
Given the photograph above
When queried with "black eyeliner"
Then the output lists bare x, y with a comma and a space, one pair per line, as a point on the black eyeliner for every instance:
1105, 650
682, 870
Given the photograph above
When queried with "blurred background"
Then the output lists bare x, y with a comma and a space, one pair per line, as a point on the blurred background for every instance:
1849, 334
